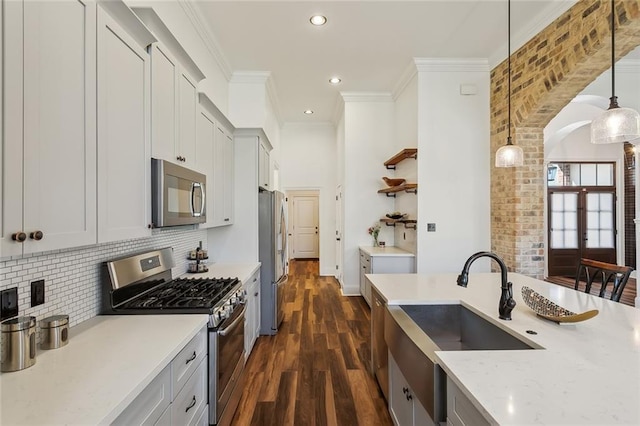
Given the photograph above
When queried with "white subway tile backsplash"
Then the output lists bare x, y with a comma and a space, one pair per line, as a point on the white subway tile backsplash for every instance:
73, 277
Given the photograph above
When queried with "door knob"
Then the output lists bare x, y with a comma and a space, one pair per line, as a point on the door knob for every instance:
36, 235
19, 236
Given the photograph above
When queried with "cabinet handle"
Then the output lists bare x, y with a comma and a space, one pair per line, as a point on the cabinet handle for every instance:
226, 219
256, 295
405, 390
409, 397
191, 358
377, 302
37, 235
193, 403
19, 237
255, 279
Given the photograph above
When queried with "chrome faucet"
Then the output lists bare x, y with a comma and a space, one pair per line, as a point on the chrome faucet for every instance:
506, 304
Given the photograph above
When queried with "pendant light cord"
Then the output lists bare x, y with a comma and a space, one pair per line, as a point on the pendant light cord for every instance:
509, 69
614, 99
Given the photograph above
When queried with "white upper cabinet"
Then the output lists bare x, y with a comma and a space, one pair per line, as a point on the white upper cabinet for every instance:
264, 165
124, 152
49, 133
215, 157
174, 95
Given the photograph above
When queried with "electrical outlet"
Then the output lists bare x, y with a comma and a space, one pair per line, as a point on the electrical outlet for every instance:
37, 293
431, 227
9, 303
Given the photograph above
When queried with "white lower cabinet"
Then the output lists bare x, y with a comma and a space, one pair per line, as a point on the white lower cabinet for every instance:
178, 395
404, 408
460, 411
383, 264
252, 318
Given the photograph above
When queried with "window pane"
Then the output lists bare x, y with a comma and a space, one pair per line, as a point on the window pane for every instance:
557, 204
557, 239
593, 238
588, 174
606, 220
593, 202
557, 221
606, 202
606, 239
574, 175
571, 202
570, 220
571, 239
593, 220
605, 174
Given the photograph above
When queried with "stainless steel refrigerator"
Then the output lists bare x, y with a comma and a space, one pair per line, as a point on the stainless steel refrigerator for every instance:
272, 243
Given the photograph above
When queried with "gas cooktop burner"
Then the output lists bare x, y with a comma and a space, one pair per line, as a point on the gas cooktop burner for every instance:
184, 293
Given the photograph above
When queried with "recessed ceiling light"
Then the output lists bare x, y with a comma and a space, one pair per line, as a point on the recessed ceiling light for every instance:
335, 80
308, 112
318, 20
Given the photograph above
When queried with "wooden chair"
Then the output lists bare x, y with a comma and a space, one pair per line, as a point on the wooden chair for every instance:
603, 274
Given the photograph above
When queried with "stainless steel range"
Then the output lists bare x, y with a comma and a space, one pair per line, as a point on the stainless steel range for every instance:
142, 284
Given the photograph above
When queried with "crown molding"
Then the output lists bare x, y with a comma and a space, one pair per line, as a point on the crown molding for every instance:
250, 77
407, 76
451, 64
193, 12
272, 95
366, 96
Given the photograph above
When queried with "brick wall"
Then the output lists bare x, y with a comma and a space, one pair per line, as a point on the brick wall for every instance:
547, 73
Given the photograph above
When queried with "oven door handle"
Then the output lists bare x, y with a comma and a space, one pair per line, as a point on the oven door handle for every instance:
233, 325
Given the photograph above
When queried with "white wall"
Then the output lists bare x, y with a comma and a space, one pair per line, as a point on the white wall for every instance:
308, 161
368, 143
453, 164
406, 129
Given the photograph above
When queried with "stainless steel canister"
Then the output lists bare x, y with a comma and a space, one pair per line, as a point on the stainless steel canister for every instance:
55, 331
18, 343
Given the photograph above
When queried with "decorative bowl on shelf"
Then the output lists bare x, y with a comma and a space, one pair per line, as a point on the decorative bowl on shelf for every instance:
393, 182
396, 215
546, 309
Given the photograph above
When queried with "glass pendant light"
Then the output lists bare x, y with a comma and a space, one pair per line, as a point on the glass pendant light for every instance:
616, 124
509, 155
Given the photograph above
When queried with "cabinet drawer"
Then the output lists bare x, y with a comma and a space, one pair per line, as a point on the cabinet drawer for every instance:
165, 419
187, 406
185, 363
460, 411
203, 418
148, 407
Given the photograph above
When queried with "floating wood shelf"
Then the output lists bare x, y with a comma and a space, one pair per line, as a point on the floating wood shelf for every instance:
402, 155
408, 223
406, 187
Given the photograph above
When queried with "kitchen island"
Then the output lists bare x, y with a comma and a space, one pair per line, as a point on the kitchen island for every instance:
584, 373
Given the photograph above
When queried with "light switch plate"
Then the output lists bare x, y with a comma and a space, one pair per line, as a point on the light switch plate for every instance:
37, 293
431, 227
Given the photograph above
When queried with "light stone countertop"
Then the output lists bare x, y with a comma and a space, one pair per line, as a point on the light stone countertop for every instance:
108, 361
587, 373
386, 251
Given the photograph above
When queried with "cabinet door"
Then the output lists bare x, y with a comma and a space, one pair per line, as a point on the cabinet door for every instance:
11, 152
164, 93
204, 157
400, 406
123, 134
219, 176
264, 166
228, 180
59, 123
188, 93
256, 307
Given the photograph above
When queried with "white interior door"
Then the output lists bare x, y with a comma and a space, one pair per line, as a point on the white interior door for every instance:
305, 227
339, 243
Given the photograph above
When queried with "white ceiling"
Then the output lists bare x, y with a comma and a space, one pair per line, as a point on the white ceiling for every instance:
369, 44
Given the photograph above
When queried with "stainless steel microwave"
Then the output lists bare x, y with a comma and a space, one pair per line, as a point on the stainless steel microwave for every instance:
177, 195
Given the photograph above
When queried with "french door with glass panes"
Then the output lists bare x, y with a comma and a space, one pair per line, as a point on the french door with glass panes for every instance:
582, 218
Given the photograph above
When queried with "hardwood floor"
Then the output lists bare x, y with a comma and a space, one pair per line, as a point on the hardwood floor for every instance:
315, 371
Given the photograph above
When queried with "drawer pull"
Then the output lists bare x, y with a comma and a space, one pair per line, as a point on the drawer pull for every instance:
191, 358
193, 403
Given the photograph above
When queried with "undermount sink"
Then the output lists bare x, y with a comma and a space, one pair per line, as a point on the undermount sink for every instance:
456, 328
